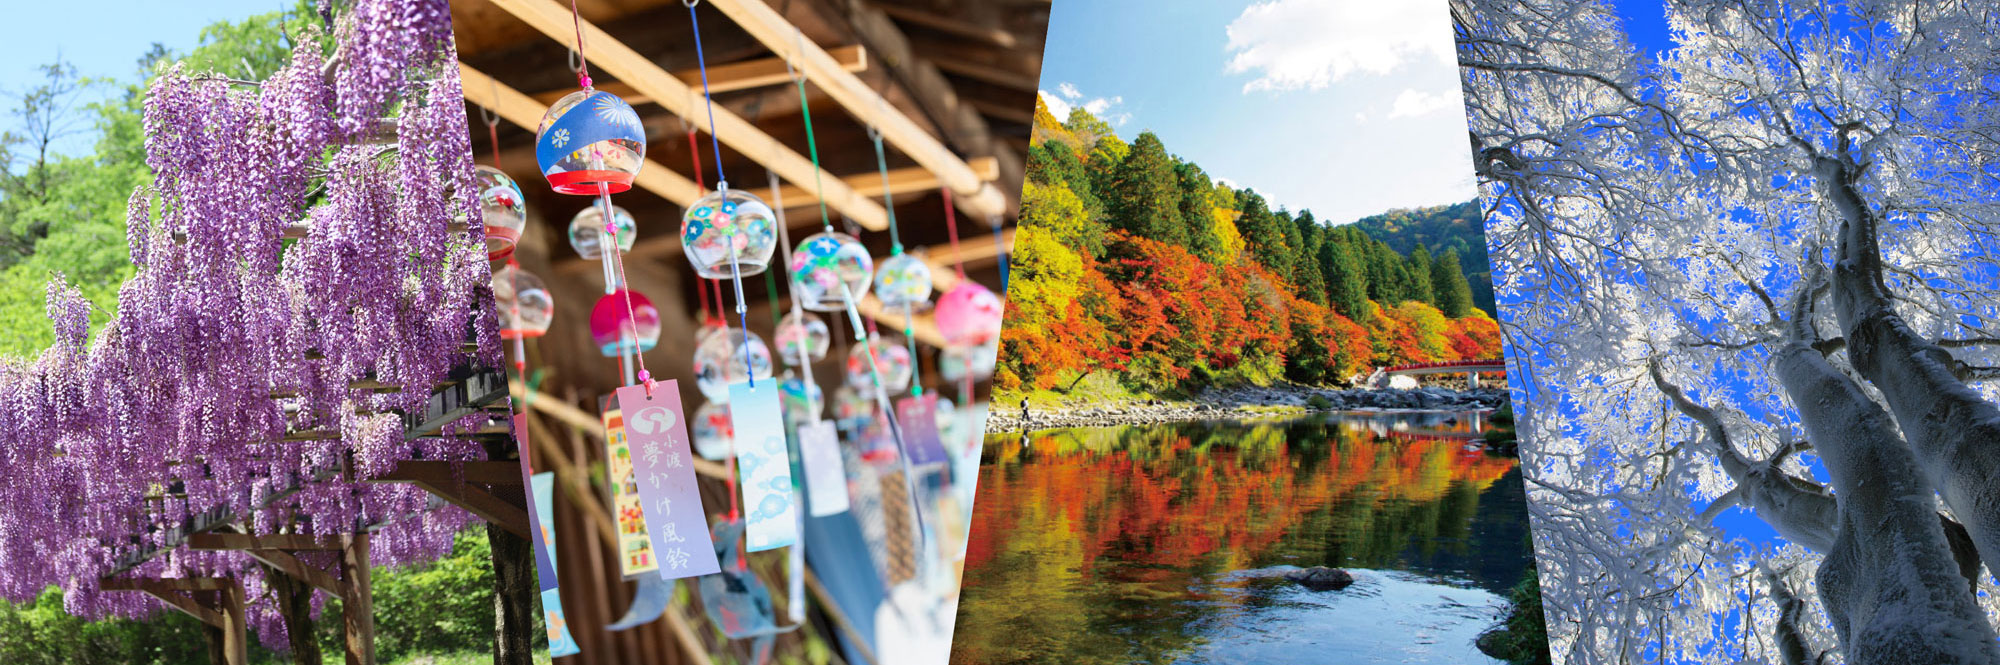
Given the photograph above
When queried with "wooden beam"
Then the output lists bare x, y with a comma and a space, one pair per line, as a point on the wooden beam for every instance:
244, 541
525, 112
948, 25
974, 195
613, 57
285, 563
901, 181
441, 478
1003, 112
923, 325
724, 78
985, 72
943, 260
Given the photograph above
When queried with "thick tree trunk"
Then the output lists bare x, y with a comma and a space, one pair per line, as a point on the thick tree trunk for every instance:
513, 597
295, 607
218, 645
1890, 584
1949, 427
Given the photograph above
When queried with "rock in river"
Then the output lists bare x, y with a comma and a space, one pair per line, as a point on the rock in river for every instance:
1321, 578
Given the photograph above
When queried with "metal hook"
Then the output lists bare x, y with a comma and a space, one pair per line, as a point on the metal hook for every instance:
575, 63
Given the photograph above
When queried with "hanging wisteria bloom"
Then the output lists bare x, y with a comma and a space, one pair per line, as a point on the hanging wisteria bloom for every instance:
249, 380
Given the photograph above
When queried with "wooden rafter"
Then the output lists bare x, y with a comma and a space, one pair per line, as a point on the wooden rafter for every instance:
471, 485
725, 78
216, 601
609, 55
974, 195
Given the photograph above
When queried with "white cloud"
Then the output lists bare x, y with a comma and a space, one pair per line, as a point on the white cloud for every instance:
1413, 102
1067, 97
1309, 44
1057, 107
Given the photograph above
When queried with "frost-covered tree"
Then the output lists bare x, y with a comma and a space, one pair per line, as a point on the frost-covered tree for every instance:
1751, 271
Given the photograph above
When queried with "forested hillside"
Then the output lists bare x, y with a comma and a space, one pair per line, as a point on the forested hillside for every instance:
1458, 227
1132, 260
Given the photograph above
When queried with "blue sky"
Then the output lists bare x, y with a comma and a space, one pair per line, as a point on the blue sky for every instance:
104, 39
1344, 107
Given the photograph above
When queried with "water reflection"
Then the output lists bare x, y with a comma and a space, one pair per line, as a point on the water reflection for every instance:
1165, 544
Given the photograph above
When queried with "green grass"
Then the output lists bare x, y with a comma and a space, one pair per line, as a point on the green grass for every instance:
459, 658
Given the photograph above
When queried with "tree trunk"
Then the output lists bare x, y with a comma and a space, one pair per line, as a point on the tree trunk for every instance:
295, 607
1889, 584
1951, 430
514, 600
218, 647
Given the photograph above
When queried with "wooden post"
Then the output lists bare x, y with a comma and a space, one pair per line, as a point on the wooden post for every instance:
235, 629
357, 605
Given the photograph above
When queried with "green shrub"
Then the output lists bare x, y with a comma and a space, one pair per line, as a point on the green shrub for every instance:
1319, 402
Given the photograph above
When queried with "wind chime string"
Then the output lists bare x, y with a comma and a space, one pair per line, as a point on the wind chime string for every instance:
614, 267
582, 63
951, 229
896, 249
722, 186
785, 244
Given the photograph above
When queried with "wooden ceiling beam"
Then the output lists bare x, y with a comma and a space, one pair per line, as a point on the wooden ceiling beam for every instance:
974, 195
610, 56
724, 78
949, 25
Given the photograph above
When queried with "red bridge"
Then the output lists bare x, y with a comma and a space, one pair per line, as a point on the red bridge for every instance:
1470, 368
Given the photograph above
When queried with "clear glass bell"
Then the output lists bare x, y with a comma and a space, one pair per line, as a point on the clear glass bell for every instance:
523, 303
823, 263
802, 338
718, 222
978, 360
712, 431
719, 361
853, 408
892, 362
502, 210
802, 401
586, 231
901, 280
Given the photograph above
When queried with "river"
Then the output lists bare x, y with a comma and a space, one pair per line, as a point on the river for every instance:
1166, 543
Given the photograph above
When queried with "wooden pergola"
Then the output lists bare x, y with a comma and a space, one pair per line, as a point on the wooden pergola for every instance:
948, 85
490, 489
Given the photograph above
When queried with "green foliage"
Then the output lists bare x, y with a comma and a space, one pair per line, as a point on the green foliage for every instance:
1454, 293
1524, 639
1319, 402
1145, 197
63, 213
43, 633
1457, 228
443, 607
1420, 276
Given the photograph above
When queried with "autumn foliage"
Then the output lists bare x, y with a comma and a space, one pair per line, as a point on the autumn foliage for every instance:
1214, 289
